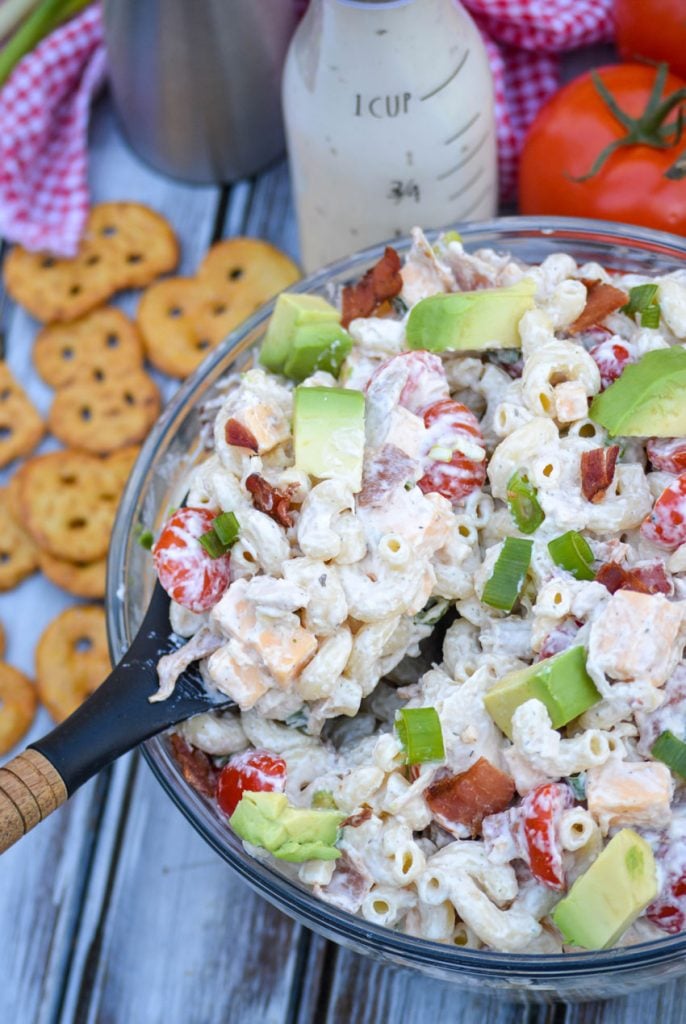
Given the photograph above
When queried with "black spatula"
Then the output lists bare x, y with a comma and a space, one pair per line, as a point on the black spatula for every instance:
116, 718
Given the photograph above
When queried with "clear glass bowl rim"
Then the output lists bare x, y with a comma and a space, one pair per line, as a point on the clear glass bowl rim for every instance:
531, 969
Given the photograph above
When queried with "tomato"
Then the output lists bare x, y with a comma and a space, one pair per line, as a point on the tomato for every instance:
656, 30
668, 911
424, 379
666, 524
667, 453
541, 811
256, 771
572, 131
186, 571
450, 425
610, 356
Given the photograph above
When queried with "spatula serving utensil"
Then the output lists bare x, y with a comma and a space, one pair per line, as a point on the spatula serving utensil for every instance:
115, 719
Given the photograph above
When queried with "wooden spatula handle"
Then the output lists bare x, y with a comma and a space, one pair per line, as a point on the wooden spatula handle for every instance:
30, 789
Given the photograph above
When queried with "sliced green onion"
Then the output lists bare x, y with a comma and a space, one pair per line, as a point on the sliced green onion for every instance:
212, 544
643, 300
440, 453
509, 572
577, 784
39, 23
671, 751
572, 552
451, 236
323, 800
432, 612
146, 540
650, 317
226, 527
419, 730
523, 503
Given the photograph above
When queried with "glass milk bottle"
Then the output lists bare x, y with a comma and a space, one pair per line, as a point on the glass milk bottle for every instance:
389, 121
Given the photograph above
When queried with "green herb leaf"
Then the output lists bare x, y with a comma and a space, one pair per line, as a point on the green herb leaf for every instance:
419, 731
227, 529
572, 552
643, 300
212, 544
523, 503
146, 540
509, 573
671, 751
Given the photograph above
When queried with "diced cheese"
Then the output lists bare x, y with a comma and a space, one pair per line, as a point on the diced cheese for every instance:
629, 793
268, 425
636, 637
234, 672
285, 652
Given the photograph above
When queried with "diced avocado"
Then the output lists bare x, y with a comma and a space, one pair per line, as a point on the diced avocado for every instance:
648, 400
460, 321
292, 311
316, 347
328, 426
290, 833
609, 897
561, 683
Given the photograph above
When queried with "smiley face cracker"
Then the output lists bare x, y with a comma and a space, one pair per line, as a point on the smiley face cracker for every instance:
68, 501
21, 427
125, 245
72, 659
18, 552
17, 706
182, 318
101, 343
100, 416
82, 579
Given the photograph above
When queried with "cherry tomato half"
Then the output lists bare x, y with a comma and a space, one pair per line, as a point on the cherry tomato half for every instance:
254, 771
666, 524
187, 572
450, 424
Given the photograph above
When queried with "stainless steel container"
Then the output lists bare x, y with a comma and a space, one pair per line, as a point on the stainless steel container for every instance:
197, 83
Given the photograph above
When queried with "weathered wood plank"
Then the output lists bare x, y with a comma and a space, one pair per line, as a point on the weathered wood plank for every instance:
367, 992
664, 1005
42, 879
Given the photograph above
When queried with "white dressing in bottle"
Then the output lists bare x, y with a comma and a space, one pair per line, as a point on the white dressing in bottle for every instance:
389, 119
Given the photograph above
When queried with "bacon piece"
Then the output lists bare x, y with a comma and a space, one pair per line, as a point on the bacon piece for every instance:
196, 767
357, 819
646, 579
387, 468
381, 283
268, 499
601, 300
467, 798
348, 887
597, 472
559, 639
238, 434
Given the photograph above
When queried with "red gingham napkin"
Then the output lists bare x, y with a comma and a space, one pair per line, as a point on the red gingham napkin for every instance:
521, 37
45, 105
44, 110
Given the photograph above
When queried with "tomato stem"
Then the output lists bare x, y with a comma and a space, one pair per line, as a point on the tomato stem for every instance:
647, 130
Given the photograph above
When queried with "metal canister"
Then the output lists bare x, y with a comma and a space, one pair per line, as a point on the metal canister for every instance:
196, 83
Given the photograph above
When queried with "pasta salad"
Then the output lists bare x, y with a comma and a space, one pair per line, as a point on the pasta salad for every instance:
436, 555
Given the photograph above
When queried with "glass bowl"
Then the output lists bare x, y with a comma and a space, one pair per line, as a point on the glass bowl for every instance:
155, 485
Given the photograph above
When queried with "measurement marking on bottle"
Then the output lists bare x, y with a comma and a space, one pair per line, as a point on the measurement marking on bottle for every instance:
475, 202
465, 160
466, 187
463, 129
448, 80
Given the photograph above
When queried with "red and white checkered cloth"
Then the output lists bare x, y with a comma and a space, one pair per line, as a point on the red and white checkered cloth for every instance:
45, 105
44, 111
522, 38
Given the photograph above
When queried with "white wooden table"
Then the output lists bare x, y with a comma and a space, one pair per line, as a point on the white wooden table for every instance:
114, 910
